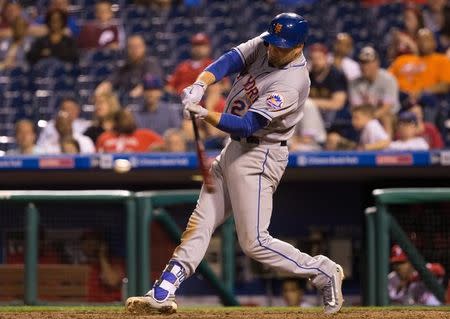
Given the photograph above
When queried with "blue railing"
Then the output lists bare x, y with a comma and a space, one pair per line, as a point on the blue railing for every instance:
189, 160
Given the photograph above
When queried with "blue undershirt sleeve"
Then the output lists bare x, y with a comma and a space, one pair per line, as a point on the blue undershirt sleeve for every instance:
242, 126
229, 63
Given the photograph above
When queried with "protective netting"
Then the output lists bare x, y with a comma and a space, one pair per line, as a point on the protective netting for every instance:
428, 228
81, 252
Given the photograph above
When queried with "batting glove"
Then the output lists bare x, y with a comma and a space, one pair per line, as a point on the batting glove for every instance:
194, 93
199, 111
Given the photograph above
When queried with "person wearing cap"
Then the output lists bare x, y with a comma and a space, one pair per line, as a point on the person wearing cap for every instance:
404, 284
407, 138
328, 84
342, 49
155, 114
188, 70
127, 78
186, 73
376, 87
264, 106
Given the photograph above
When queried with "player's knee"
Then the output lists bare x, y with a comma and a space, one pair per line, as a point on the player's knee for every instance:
254, 248
250, 250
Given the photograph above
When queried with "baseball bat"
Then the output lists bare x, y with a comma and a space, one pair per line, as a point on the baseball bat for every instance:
202, 160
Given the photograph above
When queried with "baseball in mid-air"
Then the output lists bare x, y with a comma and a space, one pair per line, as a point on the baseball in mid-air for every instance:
122, 166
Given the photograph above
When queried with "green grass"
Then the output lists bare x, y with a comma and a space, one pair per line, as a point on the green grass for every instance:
196, 309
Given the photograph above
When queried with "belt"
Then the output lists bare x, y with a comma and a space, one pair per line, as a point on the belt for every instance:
256, 140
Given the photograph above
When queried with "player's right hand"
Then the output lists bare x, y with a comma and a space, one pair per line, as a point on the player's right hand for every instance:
193, 93
198, 111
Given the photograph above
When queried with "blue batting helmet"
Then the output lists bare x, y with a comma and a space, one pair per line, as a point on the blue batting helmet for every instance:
286, 30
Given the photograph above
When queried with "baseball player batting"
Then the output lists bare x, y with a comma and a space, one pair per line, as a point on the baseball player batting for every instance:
263, 108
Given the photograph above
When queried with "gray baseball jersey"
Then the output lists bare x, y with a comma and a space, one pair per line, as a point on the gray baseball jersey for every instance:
277, 94
246, 175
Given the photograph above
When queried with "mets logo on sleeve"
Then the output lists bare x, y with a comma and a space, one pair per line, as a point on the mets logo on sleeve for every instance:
275, 101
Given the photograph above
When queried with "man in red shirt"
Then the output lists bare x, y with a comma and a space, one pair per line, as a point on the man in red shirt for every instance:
187, 71
126, 138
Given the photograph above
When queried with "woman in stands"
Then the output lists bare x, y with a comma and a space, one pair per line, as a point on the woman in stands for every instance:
106, 106
56, 44
13, 50
404, 40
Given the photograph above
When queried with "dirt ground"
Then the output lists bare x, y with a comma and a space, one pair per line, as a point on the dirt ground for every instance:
235, 314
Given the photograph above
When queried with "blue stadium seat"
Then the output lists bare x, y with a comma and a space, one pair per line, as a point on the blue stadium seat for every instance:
17, 71
218, 10
102, 70
135, 12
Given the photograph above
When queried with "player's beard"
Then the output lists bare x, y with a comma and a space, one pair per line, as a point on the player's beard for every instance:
279, 61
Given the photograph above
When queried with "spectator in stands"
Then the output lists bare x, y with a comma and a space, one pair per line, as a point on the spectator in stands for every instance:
328, 84
10, 11
71, 28
63, 126
128, 78
174, 141
292, 291
104, 31
407, 138
376, 87
373, 137
70, 145
336, 142
304, 142
106, 106
50, 135
404, 284
433, 15
342, 50
156, 114
310, 132
424, 74
13, 50
427, 130
56, 44
404, 40
187, 71
105, 272
25, 139
444, 34
126, 138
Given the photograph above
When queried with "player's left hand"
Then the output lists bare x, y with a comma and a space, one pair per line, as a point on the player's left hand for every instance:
199, 111
193, 94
